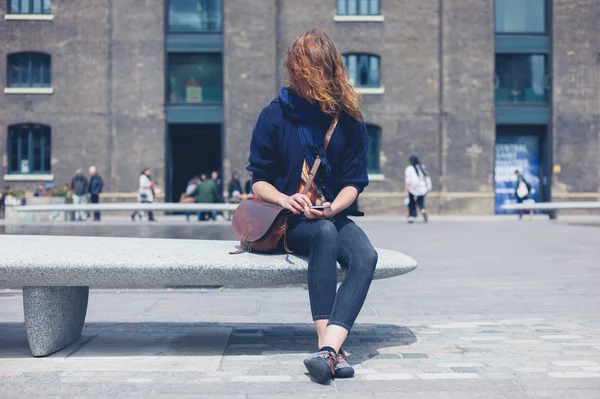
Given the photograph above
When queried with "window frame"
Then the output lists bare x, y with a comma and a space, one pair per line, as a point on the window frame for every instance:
546, 83
46, 65
25, 132
358, 8
547, 22
191, 31
31, 3
199, 103
352, 79
374, 132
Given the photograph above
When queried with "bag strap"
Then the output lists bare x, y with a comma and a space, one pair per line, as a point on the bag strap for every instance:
315, 168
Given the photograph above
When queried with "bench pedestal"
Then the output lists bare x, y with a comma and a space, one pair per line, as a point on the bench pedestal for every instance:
54, 317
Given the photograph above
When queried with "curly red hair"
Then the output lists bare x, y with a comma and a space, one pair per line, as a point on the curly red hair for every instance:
315, 70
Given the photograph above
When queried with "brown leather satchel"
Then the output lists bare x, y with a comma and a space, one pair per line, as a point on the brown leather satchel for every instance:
260, 225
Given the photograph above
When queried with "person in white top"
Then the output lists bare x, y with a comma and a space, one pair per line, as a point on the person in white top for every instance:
417, 185
145, 194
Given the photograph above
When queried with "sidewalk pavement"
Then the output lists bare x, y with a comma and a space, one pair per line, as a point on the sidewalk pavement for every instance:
495, 310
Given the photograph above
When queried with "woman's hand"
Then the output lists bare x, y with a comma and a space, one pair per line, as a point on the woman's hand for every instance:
295, 203
326, 213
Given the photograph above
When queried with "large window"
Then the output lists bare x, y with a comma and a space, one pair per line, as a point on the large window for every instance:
30, 6
522, 78
363, 70
195, 78
29, 149
28, 70
521, 16
358, 7
195, 15
374, 149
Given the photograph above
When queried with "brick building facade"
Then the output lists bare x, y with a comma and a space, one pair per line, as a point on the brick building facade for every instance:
178, 89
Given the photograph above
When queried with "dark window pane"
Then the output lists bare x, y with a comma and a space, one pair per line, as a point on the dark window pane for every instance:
342, 9
25, 165
29, 149
29, 70
36, 165
37, 6
521, 78
195, 78
25, 9
374, 7
363, 7
14, 6
36, 70
358, 7
363, 70
46, 151
374, 149
195, 15
521, 16
13, 148
352, 7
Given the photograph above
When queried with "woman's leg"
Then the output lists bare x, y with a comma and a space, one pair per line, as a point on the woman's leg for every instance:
412, 205
421, 204
318, 239
358, 256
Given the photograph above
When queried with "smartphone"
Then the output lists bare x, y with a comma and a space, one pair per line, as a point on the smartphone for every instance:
317, 207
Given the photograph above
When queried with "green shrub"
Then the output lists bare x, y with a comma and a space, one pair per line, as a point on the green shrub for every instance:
59, 192
17, 193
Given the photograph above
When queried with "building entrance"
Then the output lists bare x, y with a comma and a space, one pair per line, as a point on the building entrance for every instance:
194, 149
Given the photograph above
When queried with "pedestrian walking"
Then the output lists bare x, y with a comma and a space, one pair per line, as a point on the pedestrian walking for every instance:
206, 193
522, 190
145, 194
248, 185
290, 135
234, 189
417, 185
79, 188
214, 176
95, 189
189, 197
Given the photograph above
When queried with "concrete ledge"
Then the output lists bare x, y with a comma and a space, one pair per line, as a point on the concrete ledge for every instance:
33, 178
370, 90
29, 17
38, 261
358, 18
28, 90
376, 177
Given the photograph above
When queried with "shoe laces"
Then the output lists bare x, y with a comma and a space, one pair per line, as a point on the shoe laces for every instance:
331, 359
342, 360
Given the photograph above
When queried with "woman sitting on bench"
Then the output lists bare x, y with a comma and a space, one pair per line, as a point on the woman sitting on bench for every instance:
319, 110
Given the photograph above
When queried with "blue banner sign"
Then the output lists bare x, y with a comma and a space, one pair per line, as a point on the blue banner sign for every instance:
514, 152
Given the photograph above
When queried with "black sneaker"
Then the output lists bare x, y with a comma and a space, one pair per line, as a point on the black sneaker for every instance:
342, 368
321, 366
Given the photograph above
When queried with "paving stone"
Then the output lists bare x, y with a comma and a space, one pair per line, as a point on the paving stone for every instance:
466, 369
574, 374
448, 376
574, 363
415, 355
388, 377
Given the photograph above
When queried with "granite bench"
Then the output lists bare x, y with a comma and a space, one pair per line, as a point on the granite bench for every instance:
56, 272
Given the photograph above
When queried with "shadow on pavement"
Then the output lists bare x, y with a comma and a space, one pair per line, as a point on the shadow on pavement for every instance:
208, 339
